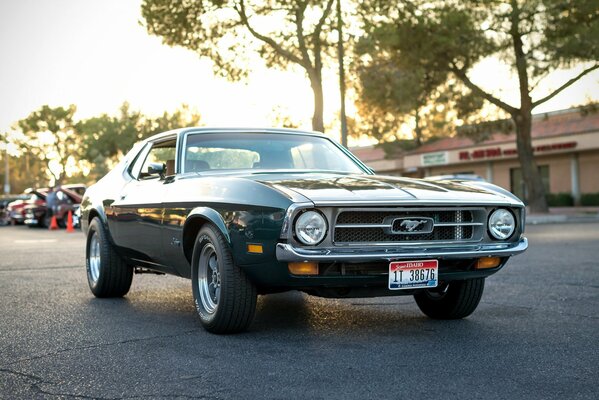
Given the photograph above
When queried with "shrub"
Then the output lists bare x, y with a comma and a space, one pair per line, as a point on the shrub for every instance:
589, 199
560, 200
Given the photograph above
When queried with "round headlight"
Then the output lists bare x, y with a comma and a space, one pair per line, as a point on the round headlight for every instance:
310, 227
501, 224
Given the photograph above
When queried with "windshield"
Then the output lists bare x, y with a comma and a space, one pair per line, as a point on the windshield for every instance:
264, 151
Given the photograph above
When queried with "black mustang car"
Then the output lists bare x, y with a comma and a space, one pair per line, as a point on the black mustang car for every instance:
243, 212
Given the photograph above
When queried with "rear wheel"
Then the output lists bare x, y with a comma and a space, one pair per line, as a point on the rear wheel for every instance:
453, 300
224, 297
44, 221
108, 274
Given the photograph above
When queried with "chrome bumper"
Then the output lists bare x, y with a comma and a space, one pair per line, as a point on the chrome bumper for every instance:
288, 253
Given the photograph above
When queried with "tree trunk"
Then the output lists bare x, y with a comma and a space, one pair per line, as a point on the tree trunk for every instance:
530, 172
317, 117
340, 55
523, 119
417, 129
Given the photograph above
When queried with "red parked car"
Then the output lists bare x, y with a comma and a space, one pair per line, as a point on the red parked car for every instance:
15, 211
4, 202
68, 199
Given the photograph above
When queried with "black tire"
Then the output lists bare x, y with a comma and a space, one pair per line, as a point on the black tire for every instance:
224, 297
455, 300
108, 275
44, 221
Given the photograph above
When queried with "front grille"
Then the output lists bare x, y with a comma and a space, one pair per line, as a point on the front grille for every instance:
377, 217
384, 226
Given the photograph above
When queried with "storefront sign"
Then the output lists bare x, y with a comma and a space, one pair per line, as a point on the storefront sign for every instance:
429, 159
496, 152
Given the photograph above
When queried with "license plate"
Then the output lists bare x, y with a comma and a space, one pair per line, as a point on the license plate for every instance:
413, 274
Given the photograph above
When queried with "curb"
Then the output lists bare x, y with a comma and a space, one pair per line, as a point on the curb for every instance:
560, 219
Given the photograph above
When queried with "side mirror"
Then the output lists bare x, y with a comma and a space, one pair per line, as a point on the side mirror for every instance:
157, 169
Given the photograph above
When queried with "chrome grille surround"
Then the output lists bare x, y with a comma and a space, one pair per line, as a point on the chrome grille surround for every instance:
377, 226
471, 238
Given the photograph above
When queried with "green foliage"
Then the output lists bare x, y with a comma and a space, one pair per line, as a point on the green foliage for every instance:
105, 138
228, 31
448, 38
50, 136
54, 143
482, 131
231, 32
571, 31
589, 199
401, 79
393, 148
25, 171
560, 200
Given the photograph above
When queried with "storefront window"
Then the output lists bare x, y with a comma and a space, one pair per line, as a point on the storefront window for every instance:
518, 187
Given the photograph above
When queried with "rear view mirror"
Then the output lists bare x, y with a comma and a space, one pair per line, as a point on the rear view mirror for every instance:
157, 169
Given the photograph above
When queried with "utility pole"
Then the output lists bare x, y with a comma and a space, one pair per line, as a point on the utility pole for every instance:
340, 54
6, 172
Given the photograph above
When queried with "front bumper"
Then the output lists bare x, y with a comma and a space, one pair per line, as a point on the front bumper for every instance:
17, 217
287, 253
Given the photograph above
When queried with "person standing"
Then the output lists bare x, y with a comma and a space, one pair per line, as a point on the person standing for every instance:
51, 202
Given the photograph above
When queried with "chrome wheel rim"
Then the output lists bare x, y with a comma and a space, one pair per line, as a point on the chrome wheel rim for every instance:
209, 285
94, 258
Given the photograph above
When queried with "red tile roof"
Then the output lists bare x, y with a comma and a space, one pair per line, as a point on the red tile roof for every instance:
369, 153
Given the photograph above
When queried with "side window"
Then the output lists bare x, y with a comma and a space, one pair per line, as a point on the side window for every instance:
161, 153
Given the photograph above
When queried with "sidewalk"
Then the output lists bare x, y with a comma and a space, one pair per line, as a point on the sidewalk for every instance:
564, 214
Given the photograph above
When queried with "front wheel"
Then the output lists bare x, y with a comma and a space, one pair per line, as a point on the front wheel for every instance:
453, 300
108, 274
224, 297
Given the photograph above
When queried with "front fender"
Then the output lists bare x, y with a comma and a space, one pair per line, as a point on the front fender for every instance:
210, 215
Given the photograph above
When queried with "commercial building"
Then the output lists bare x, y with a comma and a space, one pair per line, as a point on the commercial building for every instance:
566, 148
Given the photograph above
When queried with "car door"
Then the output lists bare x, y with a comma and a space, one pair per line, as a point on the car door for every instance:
139, 209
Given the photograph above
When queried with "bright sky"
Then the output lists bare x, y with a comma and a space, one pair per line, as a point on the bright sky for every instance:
93, 53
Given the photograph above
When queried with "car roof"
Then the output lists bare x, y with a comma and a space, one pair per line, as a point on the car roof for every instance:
242, 130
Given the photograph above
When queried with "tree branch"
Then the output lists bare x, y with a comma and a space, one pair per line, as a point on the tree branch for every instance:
277, 47
299, 24
565, 86
323, 18
480, 92
317, 31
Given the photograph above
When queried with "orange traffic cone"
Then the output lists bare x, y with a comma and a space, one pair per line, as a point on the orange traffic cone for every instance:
53, 224
70, 222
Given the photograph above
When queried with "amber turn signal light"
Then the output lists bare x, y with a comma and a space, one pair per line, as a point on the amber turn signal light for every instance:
303, 268
255, 248
488, 262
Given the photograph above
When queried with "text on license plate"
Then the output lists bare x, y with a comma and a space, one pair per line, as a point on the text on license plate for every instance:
413, 274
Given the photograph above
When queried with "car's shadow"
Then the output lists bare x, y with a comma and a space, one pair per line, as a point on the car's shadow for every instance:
281, 314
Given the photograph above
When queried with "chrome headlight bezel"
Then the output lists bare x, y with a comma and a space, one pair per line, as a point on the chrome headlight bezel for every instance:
497, 222
303, 220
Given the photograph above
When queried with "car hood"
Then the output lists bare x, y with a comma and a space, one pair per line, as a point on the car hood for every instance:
331, 188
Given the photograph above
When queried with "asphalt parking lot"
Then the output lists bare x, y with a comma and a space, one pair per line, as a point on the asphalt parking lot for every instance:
534, 336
